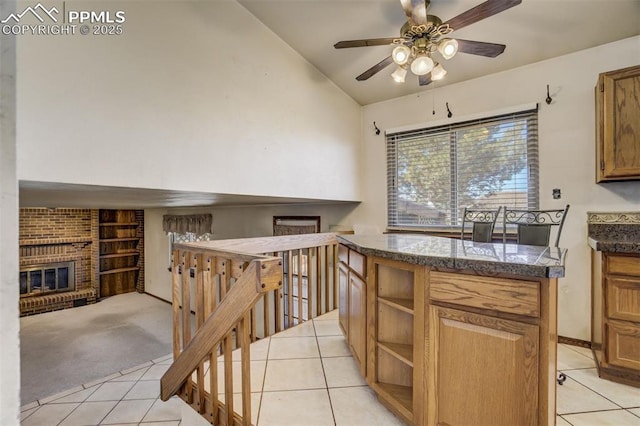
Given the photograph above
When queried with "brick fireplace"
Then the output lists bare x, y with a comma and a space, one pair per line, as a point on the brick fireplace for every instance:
58, 258
73, 257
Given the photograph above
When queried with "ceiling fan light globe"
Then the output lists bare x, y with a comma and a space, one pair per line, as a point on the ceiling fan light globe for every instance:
448, 48
438, 73
422, 65
399, 74
401, 54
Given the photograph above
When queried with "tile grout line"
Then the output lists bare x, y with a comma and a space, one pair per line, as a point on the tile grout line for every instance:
598, 393
324, 374
570, 347
264, 378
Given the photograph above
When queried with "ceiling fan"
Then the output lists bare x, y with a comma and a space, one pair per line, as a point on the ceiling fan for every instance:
423, 34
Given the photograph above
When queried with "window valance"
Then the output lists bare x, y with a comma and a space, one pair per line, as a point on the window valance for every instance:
195, 223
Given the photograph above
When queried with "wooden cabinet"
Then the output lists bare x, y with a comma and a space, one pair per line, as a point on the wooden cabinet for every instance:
120, 235
343, 303
352, 309
504, 391
449, 346
495, 323
396, 337
616, 316
358, 320
618, 125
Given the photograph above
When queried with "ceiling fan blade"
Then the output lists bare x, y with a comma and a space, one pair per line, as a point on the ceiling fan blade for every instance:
407, 7
424, 79
419, 12
375, 69
490, 50
364, 43
480, 12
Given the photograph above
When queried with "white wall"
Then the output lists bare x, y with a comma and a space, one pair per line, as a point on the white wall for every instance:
567, 150
195, 96
9, 316
228, 222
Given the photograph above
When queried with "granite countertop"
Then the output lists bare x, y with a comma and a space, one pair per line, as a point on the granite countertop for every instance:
614, 232
619, 244
483, 258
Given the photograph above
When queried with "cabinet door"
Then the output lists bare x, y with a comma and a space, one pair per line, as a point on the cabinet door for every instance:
492, 362
343, 302
623, 346
358, 320
623, 298
618, 132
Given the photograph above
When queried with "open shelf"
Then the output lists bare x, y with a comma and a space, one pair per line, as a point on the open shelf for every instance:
119, 270
402, 394
119, 240
394, 340
116, 255
399, 351
405, 305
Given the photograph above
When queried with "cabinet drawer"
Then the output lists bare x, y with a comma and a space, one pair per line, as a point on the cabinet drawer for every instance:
623, 299
496, 294
343, 253
623, 344
623, 265
357, 262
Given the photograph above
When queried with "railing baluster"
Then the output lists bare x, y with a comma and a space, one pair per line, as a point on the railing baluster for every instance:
326, 279
245, 362
265, 315
278, 314
254, 327
300, 289
318, 282
175, 281
289, 289
198, 263
186, 315
209, 307
228, 377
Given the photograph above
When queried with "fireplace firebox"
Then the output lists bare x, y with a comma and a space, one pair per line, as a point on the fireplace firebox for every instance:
37, 280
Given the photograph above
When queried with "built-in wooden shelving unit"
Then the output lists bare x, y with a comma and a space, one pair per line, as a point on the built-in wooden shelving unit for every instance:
396, 289
120, 251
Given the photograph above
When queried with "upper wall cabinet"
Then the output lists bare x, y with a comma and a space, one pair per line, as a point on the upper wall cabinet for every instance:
618, 125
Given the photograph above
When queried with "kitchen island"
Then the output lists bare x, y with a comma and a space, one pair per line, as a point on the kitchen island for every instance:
450, 332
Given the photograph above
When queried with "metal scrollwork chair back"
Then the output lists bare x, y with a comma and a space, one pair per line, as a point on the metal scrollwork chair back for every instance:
534, 226
483, 220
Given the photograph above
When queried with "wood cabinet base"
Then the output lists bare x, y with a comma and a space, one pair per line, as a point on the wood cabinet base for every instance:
616, 374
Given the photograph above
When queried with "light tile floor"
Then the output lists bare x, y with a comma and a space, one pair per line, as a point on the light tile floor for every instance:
307, 373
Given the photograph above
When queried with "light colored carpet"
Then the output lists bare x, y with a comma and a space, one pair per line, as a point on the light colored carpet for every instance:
64, 349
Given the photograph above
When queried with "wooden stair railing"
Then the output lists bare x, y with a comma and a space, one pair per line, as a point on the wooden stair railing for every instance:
229, 280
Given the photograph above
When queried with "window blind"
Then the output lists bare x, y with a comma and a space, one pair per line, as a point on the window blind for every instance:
434, 173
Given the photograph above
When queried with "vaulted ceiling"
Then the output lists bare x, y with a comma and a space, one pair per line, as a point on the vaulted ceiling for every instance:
533, 31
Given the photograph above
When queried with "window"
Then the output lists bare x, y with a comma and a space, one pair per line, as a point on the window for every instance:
434, 173
187, 229
188, 237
